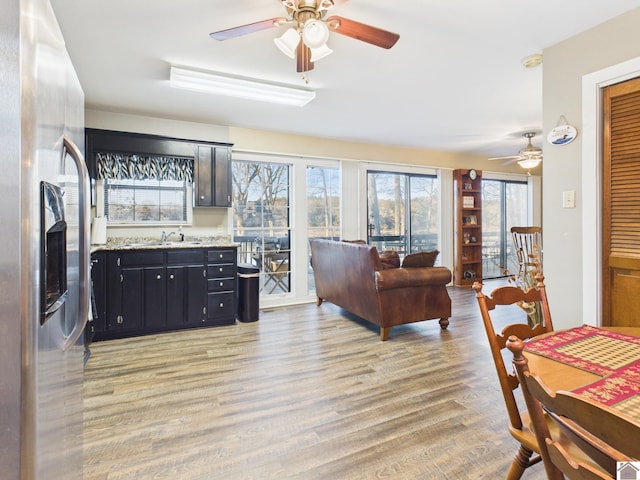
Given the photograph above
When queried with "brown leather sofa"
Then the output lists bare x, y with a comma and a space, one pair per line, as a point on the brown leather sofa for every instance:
351, 276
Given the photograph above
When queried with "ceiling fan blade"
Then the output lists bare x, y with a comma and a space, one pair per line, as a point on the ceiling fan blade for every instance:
248, 28
512, 160
360, 31
303, 58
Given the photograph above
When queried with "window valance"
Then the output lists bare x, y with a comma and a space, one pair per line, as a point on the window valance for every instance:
124, 166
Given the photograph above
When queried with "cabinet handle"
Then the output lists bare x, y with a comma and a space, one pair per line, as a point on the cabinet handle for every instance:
201, 197
170, 277
204, 311
221, 269
221, 305
121, 278
221, 256
204, 273
158, 277
119, 320
221, 284
118, 261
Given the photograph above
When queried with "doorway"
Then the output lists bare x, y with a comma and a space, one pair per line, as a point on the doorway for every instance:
621, 204
504, 204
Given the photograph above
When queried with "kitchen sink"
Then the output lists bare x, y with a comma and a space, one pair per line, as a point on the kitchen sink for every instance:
185, 243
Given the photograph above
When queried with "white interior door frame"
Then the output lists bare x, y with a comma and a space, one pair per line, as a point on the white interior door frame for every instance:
592, 85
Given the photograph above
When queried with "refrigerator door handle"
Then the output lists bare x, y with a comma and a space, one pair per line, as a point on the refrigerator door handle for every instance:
83, 243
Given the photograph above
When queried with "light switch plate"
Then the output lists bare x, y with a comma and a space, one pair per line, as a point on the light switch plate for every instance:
569, 199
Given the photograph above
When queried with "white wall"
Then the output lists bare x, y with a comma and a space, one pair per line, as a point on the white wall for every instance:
565, 65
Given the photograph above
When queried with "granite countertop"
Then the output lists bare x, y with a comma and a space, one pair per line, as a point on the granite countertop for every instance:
148, 243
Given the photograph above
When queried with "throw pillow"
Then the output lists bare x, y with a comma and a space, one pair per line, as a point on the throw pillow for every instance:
389, 259
420, 259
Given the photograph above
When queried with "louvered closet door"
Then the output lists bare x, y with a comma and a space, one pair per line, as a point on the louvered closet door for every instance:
621, 189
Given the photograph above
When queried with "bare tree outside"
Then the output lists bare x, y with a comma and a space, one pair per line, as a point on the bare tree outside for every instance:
261, 216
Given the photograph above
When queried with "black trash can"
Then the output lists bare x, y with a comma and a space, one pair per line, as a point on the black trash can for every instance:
248, 292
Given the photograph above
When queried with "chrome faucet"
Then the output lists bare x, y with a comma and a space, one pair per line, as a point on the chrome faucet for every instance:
164, 237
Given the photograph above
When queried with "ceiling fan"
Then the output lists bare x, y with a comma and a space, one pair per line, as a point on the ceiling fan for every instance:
528, 157
306, 39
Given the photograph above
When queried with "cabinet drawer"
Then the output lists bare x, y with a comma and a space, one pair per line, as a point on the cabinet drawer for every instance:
220, 304
221, 284
224, 270
142, 258
221, 256
187, 256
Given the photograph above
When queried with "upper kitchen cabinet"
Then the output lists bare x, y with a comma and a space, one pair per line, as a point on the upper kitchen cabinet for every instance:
211, 160
213, 176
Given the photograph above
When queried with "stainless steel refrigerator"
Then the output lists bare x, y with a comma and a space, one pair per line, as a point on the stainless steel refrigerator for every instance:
44, 248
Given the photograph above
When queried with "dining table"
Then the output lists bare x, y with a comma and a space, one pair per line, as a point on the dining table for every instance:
602, 363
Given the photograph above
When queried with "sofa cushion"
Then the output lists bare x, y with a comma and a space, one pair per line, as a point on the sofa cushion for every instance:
420, 259
389, 259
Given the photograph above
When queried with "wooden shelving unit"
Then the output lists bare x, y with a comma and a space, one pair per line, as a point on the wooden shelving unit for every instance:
468, 227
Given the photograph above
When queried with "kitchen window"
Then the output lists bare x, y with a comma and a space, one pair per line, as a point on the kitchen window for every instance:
146, 201
144, 189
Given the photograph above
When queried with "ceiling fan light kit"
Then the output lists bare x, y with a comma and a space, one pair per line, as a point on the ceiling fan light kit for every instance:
219, 84
528, 157
288, 42
530, 162
315, 34
310, 26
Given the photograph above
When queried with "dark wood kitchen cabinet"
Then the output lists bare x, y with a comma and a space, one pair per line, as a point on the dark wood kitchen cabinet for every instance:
135, 291
221, 286
211, 160
186, 288
155, 290
98, 295
212, 176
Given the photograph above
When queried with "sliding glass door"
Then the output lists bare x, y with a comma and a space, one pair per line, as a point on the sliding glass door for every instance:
262, 221
402, 209
504, 205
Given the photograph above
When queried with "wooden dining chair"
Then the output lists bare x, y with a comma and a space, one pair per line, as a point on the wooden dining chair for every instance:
590, 437
510, 301
527, 242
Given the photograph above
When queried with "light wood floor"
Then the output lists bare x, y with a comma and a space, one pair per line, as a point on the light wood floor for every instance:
305, 393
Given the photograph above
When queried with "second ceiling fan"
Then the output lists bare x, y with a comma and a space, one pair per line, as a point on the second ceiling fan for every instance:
306, 39
528, 157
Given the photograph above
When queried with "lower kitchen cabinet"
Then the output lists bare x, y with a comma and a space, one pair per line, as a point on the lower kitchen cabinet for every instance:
221, 285
154, 290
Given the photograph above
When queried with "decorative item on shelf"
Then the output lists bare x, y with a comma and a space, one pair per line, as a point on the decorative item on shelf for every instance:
467, 186
468, 274
469, 220
473, 239
468, 202
562, 133
466, 239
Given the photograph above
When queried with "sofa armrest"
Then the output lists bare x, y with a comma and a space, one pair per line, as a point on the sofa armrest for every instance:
412, 277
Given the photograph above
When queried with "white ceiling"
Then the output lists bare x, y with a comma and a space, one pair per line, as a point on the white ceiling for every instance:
454, 80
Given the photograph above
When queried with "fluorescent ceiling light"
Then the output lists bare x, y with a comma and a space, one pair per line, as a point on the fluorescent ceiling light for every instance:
219, 84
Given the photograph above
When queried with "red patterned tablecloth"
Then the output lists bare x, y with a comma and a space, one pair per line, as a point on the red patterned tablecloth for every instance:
614, 356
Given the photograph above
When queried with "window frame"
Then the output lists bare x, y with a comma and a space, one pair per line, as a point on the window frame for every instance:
100, 209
